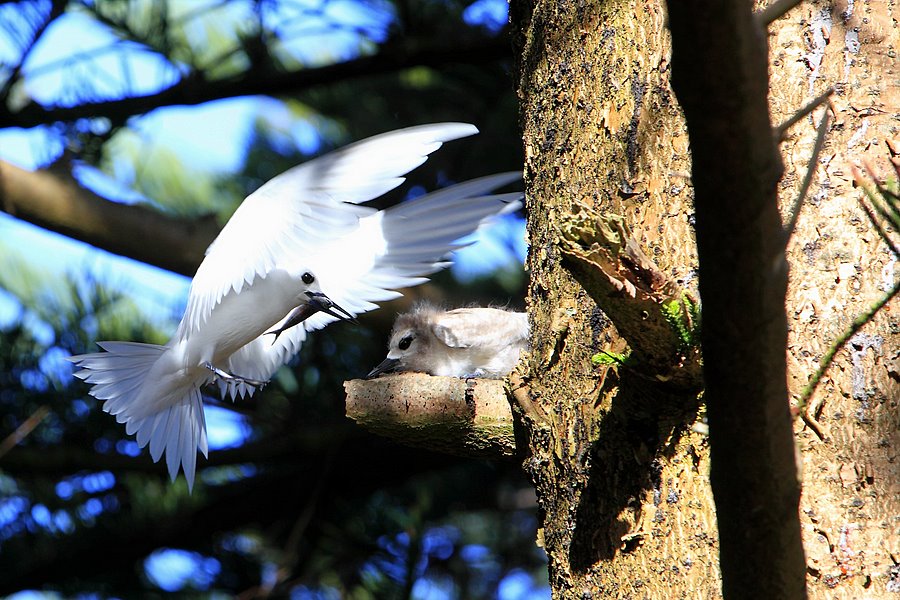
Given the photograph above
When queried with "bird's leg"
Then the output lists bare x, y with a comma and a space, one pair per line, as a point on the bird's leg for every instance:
235, 379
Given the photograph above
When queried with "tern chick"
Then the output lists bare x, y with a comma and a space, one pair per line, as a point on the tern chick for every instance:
465, 342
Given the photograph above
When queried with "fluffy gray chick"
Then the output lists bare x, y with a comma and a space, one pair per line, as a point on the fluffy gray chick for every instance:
465, 342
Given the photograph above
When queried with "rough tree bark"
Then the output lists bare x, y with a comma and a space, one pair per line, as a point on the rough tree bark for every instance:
621, 475
720, 76
850, 507
621, 472
621, 478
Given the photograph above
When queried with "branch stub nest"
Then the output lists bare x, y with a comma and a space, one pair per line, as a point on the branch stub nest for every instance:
465, 417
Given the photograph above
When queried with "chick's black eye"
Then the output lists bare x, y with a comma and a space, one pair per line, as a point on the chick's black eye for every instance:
307, 278
405, 342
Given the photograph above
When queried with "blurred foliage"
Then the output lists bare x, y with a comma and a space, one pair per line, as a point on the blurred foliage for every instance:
307, 505
77, 485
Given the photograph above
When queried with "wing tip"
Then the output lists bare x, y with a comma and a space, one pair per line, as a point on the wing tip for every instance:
446, 131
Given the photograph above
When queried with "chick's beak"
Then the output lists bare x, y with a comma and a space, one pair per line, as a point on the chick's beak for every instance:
386, 366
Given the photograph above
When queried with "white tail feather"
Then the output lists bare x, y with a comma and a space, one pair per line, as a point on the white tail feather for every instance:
176, 424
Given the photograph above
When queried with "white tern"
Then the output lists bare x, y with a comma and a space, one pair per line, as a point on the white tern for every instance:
299, 250
465, 342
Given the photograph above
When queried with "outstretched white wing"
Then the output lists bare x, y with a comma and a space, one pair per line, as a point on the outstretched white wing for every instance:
305, 208
392, 249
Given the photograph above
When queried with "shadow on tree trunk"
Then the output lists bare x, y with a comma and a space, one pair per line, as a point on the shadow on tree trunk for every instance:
644, 424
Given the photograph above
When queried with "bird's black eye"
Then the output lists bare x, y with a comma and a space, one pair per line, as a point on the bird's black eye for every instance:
405, 342
307, 278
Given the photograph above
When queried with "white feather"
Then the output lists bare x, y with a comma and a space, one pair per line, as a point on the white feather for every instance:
292, 215
357, 271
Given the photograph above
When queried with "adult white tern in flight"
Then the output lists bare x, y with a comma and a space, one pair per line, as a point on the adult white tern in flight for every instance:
466, 342
299, 250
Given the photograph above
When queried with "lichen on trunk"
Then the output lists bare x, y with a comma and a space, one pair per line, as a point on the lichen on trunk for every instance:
620, 475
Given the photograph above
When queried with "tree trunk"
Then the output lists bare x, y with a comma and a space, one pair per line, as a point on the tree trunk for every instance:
621, 477
850, 508
620, 465
719, 73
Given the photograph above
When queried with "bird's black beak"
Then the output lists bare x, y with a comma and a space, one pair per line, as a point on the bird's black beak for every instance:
320, 302
386, 366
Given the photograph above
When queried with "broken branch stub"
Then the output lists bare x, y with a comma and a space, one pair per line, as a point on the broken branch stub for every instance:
465, 417
600, 252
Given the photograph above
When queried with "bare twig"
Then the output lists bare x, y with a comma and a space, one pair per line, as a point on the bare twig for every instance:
521, 394
775, 10
810, 416
23, 430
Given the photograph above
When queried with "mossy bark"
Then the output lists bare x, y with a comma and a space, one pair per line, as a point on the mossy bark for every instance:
620, 469
621, 477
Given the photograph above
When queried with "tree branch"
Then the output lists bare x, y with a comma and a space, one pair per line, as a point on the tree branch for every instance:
465, 417
196, 90
57, 7
632, 290
54, 200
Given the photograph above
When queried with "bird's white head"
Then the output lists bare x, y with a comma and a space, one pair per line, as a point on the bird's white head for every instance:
310, 299
310, 294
